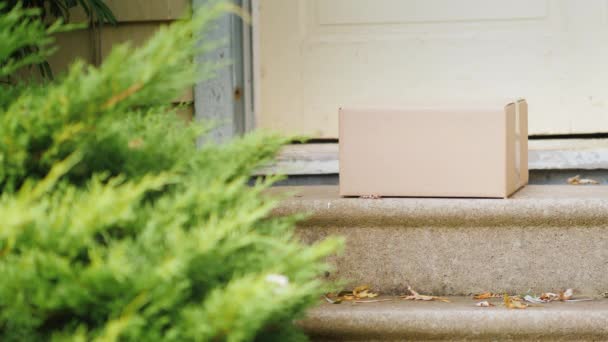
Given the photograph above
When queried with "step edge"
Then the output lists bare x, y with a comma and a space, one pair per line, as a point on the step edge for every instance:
395, 212
465, 323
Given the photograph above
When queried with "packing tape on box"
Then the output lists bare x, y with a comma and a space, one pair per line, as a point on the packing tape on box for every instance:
518, 142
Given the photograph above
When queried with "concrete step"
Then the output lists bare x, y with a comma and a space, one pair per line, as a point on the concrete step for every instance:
459, 320
544, 238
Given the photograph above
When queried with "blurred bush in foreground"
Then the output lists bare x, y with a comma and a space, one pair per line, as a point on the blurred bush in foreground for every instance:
114, 226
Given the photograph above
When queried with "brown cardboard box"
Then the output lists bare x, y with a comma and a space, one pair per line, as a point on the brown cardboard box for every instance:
433, 152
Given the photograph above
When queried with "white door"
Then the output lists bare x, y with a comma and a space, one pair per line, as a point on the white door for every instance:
314, 56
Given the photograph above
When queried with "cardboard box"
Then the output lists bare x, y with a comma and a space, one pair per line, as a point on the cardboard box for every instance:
434, 152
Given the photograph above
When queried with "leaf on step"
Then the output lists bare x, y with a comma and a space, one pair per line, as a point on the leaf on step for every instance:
548, 296
484, 295
484, 304
417, 296
566, 295
534, 300
332, 301
344, 295
360, 288
577, 180
513, 303
363, 291
359, 292
367, 294
373, 196
487, 295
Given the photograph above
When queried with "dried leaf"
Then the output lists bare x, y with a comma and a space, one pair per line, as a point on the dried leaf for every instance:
484, 295
548, 296
360, 289
373, 196
577, 180
366, 294
332, 301
363, 291
417, 296
487, 295
566, 295
359, 292
535, 300
484, 304
512, 303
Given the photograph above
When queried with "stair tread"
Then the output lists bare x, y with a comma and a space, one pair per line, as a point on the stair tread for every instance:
458, 319
533, 205
529, 192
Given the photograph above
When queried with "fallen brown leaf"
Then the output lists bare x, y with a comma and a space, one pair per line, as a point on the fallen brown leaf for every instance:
566, 295
363, 291
549, 296
359, 292
332, 301
360, 288
367, 294
577, 180
512, 303
417, 296
534, 300
487, 295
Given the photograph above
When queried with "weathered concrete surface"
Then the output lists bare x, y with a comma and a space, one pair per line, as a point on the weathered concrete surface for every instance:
543, 154
545, 238
459, 320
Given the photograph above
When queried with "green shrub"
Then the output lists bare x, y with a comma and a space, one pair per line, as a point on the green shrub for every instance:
114, 226
96, 11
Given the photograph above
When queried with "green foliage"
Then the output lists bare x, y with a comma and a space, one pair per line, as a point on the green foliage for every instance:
116, 227
96, 11
22, 30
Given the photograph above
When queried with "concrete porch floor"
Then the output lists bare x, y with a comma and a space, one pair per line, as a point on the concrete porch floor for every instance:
537, 177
